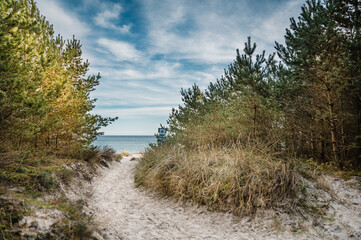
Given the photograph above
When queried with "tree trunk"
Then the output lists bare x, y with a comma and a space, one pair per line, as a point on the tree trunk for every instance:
36, 142
333, 128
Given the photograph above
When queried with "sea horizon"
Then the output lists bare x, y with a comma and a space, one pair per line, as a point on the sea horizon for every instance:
129, 143
126, 135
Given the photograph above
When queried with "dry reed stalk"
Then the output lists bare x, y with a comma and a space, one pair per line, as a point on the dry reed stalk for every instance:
238, 180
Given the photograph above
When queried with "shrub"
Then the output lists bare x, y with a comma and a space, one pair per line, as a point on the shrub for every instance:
238, 179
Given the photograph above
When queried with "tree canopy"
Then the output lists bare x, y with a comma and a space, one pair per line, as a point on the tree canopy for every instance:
45, 98
306, 105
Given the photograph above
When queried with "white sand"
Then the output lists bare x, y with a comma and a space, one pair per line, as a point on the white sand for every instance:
125, 212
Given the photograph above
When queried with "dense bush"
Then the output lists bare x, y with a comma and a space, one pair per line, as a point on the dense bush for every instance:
237, 179
44, 91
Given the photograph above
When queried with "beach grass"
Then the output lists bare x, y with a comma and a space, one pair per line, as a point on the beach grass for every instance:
238, 179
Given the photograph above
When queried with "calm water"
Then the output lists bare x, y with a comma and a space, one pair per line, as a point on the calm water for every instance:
132, 144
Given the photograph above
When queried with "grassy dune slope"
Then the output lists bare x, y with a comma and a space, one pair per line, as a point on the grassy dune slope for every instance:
239, 180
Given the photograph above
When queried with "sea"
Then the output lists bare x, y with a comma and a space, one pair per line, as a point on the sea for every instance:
132, 144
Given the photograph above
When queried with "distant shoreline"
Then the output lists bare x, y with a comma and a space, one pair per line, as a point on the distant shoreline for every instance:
126, 135
129, 143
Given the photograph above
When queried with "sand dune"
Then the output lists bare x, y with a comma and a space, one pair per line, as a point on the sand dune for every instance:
125, 212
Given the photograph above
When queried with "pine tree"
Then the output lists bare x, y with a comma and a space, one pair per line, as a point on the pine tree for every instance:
44, 91
238, 108
316, 52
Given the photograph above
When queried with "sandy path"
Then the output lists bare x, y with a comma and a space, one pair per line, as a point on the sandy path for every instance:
125, 212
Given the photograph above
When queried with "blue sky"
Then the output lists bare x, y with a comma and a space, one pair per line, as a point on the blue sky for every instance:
147, 50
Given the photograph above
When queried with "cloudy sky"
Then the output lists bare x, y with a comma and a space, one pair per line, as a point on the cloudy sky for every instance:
147, 50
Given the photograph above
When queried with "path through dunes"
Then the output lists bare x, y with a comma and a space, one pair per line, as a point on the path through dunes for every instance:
125, 212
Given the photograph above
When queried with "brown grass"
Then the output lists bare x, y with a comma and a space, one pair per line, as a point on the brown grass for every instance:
124, 154
237, 180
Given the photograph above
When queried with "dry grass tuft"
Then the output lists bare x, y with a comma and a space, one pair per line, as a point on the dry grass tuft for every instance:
124, 154
237, 180
101, 156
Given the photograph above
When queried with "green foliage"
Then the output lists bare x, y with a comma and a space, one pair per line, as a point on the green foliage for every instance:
77, 224
224, 143
11, 212
308, 105
66, 175
32, 175
239, 107
44, 91
323, 53
33, 182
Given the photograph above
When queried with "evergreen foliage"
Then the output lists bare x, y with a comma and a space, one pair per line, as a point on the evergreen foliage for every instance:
44, 91
238, 108
308, 105
322, 53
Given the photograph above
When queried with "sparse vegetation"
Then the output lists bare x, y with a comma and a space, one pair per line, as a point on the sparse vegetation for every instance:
11, 212
30, 182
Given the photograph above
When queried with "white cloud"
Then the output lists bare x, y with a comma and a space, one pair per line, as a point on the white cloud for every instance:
210, 33
120, 50
110, 15
65, 23
192, 41
136, 93
158, 82
273, 28
147, 70
135, 112
191, 30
